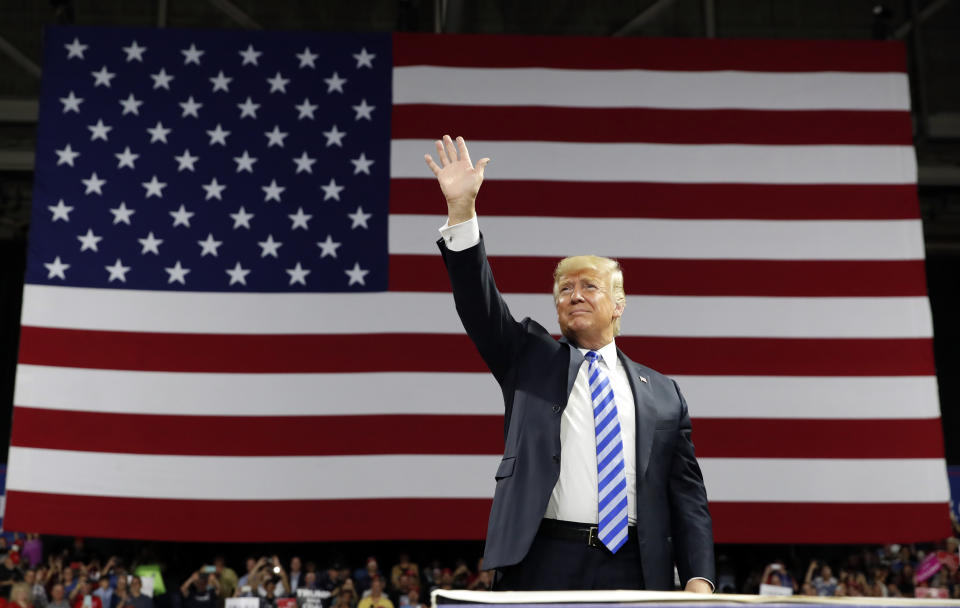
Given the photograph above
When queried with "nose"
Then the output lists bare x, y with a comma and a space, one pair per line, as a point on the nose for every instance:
576, 296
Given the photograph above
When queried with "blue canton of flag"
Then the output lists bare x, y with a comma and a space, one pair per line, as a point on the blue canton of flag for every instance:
212, 161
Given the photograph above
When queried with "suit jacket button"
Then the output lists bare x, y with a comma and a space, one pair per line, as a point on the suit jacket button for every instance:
556, 458
556, 409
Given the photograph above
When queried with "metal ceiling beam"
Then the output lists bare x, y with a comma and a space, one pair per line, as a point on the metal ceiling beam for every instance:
924, 14
645, 17
19, 58
236, 13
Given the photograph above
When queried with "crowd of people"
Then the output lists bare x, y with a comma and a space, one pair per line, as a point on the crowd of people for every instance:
886, 571
75, 578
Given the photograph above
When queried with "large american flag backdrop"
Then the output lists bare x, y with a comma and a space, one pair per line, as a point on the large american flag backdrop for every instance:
236, 325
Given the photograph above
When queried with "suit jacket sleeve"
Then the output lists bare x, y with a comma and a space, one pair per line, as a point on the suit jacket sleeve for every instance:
483, 312
690, 515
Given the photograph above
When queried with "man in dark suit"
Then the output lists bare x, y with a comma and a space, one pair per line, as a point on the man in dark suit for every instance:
599, 487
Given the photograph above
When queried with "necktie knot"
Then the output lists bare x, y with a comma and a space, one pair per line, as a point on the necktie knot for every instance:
592, 356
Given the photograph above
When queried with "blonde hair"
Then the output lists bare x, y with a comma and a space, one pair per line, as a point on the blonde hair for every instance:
21, 593
607, 267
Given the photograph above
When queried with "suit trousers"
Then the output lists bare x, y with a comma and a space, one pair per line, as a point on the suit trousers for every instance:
568, 565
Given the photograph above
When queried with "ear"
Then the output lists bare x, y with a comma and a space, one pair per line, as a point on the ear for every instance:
618, 309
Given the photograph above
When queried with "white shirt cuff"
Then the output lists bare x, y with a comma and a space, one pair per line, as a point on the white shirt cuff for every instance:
461, 236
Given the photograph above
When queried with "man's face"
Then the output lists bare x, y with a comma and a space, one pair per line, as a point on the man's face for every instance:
57, 592
135, 586
585, 308
30, 577
295, 564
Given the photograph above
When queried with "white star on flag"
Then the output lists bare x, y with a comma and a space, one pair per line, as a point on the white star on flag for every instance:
269, 247
361, 164
126, 158
299, 219
305, 109
356, 274
298, 274
161, 80
244, 162
221, 82
154, 187
278, 83
192, 54
75, 50
186, 161
181, 217
66, 155
177, 274
99, 130
134, 52
275, 137
61, 211
364, 110
250, 55
328, 247
241, 218
359, 218
190, 108
118, 272
304, 163
102, 77
121, 214
214, 189
332, 190
158, 133
272, 191
209, 245
89, 240
131, 105
364, 59
307, 58
56, 268
71, 103
150, 244
218, 135
335, 83
248, 108
238, 274
334, 136
94, 184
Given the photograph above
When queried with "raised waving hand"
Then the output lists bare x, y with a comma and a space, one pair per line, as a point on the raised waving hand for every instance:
459, 179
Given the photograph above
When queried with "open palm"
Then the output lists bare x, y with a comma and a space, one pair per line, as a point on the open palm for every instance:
459, 179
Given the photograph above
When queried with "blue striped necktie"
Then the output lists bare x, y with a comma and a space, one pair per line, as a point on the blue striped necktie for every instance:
611, 475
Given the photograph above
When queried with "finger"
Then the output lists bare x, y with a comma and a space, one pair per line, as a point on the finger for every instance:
451, 149
433, 165
482, 165
462, 150
441, 153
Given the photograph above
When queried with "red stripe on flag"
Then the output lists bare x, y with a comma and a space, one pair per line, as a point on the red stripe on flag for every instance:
275, 435
804, 438
654, 125
435, 519
248, 521
337, 353
423, 434
830, 523
670, 201
663, 277
577, 52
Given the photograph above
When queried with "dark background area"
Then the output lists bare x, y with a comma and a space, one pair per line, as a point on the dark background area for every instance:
929, 29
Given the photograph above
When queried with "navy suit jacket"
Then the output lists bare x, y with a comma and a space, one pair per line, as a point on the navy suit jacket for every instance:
536, 374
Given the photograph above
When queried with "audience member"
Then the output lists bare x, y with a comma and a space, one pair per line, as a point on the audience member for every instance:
200, 590
376, 599
136, 597
58, 597
295, 575
824, 582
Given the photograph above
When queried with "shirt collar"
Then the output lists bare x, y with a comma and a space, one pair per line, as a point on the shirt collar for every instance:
608, 353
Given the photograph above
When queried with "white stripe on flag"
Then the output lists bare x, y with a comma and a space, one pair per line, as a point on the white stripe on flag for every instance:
434, 313
650, 88
210, 394
388, 476
676, 239
674, 163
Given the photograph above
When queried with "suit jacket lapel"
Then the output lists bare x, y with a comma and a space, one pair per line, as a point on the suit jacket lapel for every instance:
646, 415
573, 368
